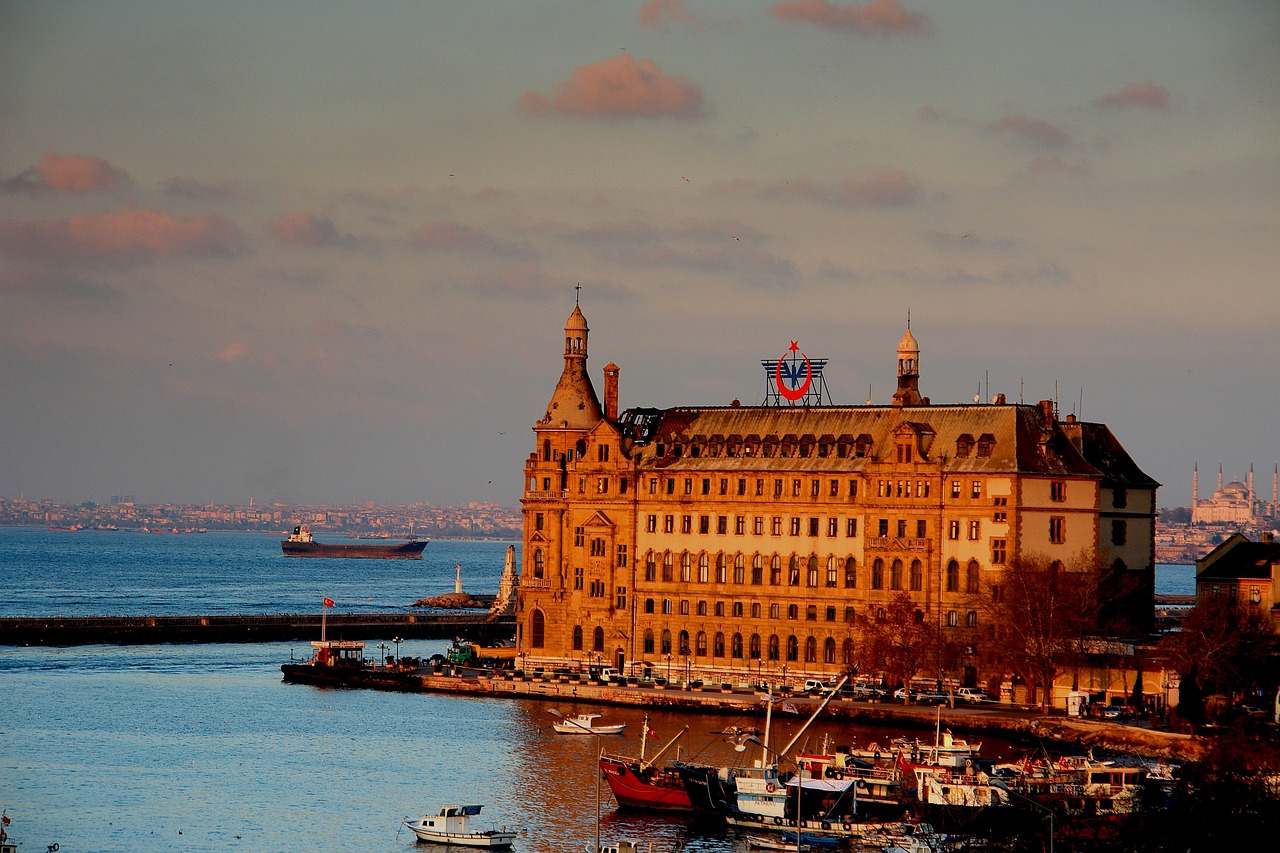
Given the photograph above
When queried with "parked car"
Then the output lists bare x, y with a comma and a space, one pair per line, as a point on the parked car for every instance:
901, 694
932, 697
1115, 712
865, 691
816, 687
972, 694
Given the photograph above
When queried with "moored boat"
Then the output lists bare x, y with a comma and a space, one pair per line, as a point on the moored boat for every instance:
584, 724
301, 543
453, 826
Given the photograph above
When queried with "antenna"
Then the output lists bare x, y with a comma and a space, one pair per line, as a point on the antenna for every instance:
577, 292
868, 393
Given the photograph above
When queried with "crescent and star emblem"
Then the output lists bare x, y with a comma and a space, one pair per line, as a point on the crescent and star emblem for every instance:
789, 393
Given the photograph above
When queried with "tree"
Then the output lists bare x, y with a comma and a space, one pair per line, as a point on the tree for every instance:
900, 642
1221, 645
1046, 615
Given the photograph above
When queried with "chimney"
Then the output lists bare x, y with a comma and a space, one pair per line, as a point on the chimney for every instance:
1046, 412
611, 391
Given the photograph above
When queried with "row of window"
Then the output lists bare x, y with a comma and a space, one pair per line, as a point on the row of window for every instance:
803, 572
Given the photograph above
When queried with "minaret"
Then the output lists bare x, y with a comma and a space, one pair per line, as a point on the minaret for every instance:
1275, 492
1250, 488
1219, 478
1195, 489
908, 393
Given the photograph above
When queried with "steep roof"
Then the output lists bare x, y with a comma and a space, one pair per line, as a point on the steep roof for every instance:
1238, 559
1015, 438
1103, 451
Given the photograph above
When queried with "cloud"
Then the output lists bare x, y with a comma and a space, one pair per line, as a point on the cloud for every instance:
1146, 94
58, 286
231, 352
879, 17
1052, 167
445, 234
617, 88
129, 235
881, 187
662, 13
69, 174
301, 228
1033, 130
193, 189
525, 279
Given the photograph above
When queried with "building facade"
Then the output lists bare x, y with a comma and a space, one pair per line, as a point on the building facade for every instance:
741, 542
1235, 504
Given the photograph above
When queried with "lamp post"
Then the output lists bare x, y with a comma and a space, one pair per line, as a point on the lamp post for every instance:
396, 640
382, 647
999, 783
555, 712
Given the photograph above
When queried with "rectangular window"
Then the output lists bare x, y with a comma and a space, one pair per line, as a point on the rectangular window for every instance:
997, 552
757, 525
704, 524
955, 488
853, 488
688, 485
739, 525
1119, 498
1057, 530
975, 489
813, 527
602, 486
814, 488
686, 524
1119, 531
722, 524
835, 488
953, 529
537, 521
975, 528
577, 577
622, 485
579, 536
602, 452
620, 598
777, 488
851, 528
669, 524
775, 611
724, 486
759, 488
582, 485
922, 528
653, 485
1057, 491
742, 486
833, 527
776, 528
684, 607
622, 556
902, 528
811, 613
884, 527
795, 488
850, 615
831, 614
666, 606
651, 524
671, 485
755, 610
706, 485
795, 525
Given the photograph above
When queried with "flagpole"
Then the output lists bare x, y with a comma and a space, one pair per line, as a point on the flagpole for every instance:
324, 617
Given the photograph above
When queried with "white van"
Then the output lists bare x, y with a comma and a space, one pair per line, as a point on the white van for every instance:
606, 675
816, 686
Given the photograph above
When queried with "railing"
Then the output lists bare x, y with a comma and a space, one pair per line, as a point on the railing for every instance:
894, 543
546, 495
535, 583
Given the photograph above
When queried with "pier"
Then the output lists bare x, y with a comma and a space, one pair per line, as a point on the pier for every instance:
142, 630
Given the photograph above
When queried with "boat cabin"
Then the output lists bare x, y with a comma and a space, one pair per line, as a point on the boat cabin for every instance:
337, 653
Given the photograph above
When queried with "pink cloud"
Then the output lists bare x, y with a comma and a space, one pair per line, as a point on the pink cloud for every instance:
882, 187
879, 17
231, 352
444, 234
1146, 94
619, 88
128, 235
70, 174
661, 13
1033, 130
301, 228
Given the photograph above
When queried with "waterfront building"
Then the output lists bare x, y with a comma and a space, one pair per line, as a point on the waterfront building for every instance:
1245, 571
739, 542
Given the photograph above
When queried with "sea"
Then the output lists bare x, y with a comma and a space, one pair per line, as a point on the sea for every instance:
204, 747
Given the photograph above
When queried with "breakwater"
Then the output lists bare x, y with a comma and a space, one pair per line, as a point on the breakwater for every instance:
260, 628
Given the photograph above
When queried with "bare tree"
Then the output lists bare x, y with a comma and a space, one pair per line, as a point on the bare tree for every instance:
1045, 615
900, 642
1221, 645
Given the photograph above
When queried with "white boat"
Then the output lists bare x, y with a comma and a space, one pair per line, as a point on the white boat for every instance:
453, 826
622, 845
584, 724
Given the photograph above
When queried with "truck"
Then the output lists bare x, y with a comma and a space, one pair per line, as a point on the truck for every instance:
464, 653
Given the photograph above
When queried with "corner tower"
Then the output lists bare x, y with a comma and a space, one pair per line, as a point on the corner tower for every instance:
908, 393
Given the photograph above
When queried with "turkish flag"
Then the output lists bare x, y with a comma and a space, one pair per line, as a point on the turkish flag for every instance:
328, 602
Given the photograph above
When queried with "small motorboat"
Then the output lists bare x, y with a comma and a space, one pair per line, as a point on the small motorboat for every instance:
622, 845
453, 826
584, 724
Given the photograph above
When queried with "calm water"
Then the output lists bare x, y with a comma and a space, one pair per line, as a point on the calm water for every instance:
164, 748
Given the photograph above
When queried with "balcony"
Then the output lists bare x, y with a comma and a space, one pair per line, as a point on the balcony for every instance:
894, 543
535, 583
546, 495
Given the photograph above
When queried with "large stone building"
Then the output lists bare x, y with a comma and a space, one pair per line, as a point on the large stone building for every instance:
1235, 504
739, 541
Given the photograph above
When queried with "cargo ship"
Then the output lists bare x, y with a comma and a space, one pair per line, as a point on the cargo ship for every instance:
302, 544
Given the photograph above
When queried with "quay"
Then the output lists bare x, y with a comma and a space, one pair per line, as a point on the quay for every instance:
143, 630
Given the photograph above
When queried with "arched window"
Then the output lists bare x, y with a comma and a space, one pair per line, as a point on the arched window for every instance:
717, 645
577, 638
753, 650
793, 648
953, 576
538, 562
597, 640
667, 563
703, 568
757, 570
793, 571
775, 571
686, 566
813, 570
684, 643
666, 642
877, 574
736, 648
917, 576
811, 650
650, 567
648, 642
537, 629
829, 650
971, 578
833, 571
895, 574
701, 648
721, 568
739, 569
846, 652
850, 573
773, 647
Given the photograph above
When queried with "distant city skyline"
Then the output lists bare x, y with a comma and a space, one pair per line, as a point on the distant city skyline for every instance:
323, 253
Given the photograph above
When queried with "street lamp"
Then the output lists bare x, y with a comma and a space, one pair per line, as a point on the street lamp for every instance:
382, 647
999, 783
555, 712
396, 640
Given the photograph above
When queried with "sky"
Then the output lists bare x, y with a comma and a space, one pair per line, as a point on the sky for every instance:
320, 252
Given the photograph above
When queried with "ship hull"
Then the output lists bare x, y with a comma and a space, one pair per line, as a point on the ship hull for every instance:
403, 551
